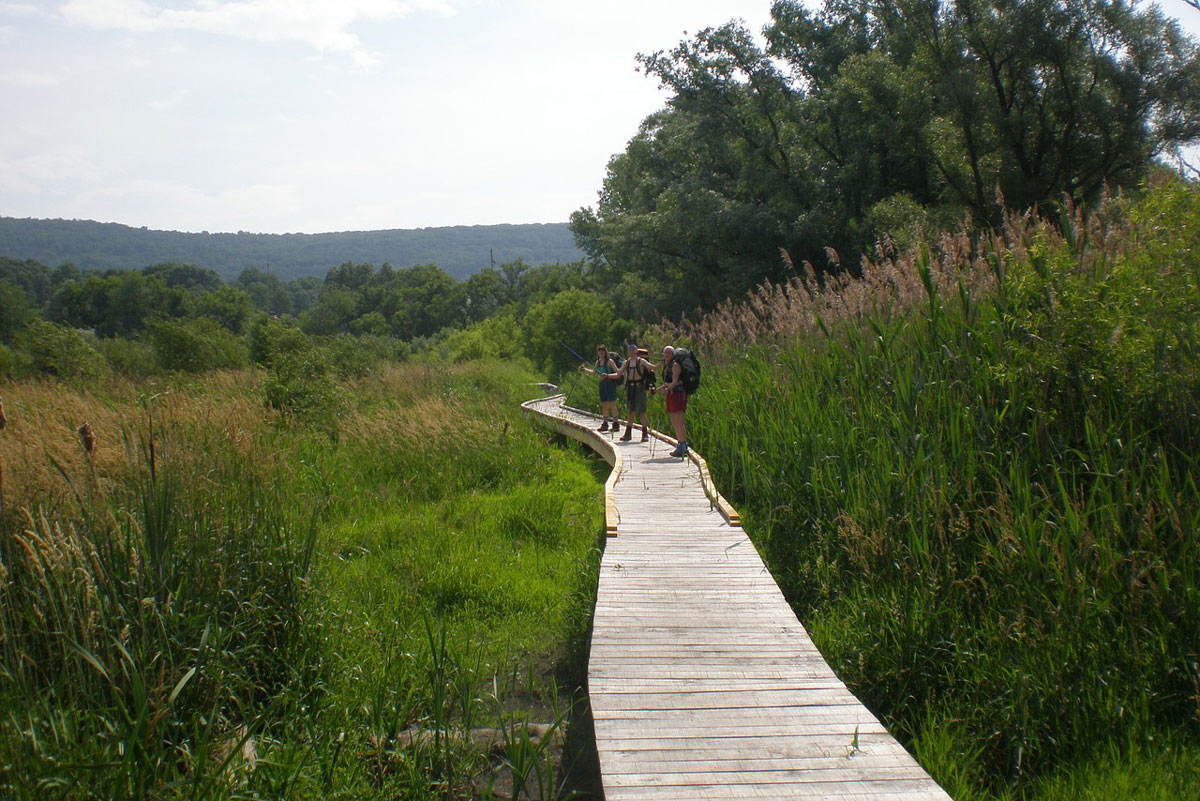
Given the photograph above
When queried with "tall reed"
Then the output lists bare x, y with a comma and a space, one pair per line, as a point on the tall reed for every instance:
219, 601
973, 471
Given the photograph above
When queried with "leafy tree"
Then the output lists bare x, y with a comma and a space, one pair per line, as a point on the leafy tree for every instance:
12, 365
31, 277
304, 293
350, 275
372, 323
579, 318
228, 305
423, 300
266, 291
335, 308
852, 114
484, 294
185, 276
15, 310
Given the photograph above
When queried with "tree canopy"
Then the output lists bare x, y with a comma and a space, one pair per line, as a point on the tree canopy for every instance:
867, 118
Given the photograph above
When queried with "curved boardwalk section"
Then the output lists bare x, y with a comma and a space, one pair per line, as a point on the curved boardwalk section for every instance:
703, 683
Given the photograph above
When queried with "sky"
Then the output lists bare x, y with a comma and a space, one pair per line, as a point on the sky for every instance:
277, 116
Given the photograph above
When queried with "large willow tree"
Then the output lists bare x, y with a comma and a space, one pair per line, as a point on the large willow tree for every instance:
866, 118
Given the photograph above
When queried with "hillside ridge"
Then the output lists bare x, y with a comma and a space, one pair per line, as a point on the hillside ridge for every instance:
460, 250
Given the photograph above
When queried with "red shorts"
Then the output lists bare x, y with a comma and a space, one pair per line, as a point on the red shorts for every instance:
676, 401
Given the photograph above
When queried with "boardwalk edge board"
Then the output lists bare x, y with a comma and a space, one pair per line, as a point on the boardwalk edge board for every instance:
702, 682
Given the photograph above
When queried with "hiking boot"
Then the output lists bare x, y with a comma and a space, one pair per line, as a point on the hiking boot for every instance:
603, 427
645, 436
628, 435
678, 452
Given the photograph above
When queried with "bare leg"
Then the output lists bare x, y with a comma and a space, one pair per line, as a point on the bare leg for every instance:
680, 425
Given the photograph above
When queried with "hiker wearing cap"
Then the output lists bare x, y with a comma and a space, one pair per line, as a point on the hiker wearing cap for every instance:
636, 371
606, 369
676, 399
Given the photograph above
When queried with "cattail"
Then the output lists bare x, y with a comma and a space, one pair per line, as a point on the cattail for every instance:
87, 437
3, 419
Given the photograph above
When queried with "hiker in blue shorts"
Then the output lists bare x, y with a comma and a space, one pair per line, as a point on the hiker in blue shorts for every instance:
606, 369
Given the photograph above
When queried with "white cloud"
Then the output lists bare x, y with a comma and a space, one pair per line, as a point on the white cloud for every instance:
19, 9
321, 24
46, 171
25, 79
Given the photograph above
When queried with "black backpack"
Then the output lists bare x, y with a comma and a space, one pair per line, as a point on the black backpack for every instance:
689, 369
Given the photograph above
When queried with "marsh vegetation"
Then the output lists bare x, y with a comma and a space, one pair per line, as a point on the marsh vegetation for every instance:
216, 600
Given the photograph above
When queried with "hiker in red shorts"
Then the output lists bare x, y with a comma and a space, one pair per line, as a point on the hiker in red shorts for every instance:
676, 399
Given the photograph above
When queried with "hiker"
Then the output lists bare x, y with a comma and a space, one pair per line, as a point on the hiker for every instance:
676, 399
637, 373
606, 369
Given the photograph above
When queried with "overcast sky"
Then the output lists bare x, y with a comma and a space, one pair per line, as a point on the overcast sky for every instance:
328, 115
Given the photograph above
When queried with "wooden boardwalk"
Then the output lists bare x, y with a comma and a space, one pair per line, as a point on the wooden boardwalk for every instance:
703, 684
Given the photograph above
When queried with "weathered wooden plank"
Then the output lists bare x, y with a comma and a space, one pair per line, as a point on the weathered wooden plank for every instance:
703, 684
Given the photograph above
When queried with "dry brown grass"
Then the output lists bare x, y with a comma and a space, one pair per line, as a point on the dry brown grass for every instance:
45, 417
405, 408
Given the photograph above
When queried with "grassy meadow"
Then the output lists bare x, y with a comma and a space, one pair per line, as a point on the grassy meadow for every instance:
973, 471
209, 599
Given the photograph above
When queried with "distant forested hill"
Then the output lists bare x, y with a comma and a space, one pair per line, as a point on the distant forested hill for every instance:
459, 250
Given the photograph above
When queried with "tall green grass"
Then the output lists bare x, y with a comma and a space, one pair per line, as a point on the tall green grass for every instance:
379, 605
977, 483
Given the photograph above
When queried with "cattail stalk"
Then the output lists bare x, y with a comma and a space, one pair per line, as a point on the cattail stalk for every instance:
87, 438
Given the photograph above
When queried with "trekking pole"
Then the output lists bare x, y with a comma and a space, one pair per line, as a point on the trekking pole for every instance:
582, 360
572, 351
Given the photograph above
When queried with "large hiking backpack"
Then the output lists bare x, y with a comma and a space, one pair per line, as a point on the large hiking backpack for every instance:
649, 380
689, 369
617, 361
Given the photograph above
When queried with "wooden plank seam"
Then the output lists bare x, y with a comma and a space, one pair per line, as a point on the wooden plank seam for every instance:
702, 682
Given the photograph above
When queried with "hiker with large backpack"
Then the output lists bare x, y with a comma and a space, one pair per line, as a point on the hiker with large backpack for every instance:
681, 372
639, 377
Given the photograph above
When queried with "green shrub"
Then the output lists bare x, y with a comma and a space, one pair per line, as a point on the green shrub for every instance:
60, 351
373, 323
193, 346
129, 357
497, 338
357, 357
271, 339
303, 387
11, 363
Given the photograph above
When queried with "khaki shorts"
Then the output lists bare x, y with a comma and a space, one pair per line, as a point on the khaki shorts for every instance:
635, 394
